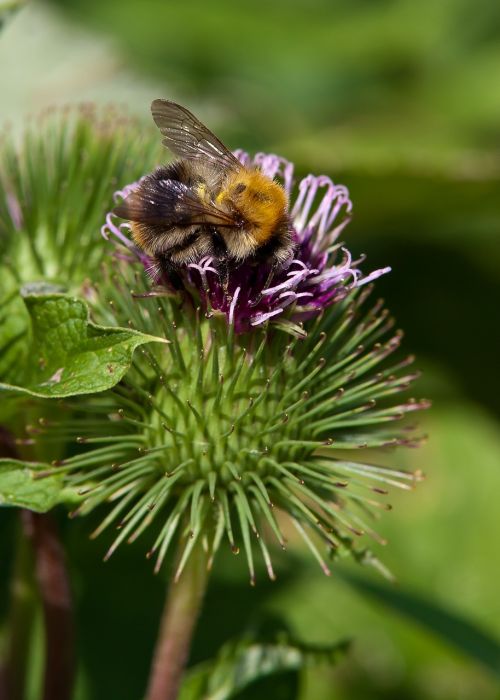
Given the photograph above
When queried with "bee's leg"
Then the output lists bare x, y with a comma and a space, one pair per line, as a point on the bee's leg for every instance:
224, 278
169, 273
220, 252
269, 277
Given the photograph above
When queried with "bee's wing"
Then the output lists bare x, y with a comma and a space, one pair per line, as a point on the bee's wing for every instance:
169, 203
188, 138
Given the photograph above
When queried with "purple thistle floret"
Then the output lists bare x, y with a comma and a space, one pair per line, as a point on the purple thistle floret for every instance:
321, 273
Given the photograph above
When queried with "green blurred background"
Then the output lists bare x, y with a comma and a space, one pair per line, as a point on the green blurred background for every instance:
400, 101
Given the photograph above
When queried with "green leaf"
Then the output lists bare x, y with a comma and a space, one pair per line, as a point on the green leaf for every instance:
14, 327
454, 629
254, 663
19, 486
68, 354
241, 665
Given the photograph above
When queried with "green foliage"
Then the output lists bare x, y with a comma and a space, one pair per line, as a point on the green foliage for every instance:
21, 486
359, 83
14, 327
453, 628
56, 186
70, 355
446, 534
240, 665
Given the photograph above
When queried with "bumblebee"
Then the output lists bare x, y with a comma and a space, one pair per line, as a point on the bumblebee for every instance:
206, 203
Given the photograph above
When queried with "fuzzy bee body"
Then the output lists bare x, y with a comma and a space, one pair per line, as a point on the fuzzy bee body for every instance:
206, 203
163, 228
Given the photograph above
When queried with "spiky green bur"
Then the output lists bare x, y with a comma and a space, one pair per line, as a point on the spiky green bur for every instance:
56, 182
212, 436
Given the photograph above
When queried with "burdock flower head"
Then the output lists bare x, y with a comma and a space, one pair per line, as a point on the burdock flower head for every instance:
270, 410
321, 272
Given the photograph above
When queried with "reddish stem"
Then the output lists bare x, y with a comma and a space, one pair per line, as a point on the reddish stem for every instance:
177, 626
53, 585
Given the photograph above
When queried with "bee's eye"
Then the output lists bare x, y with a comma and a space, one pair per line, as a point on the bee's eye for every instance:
239, 188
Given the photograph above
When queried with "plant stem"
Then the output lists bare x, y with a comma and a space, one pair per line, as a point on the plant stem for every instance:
22, 605
177, 626
53, 586
52, 581
21, 610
